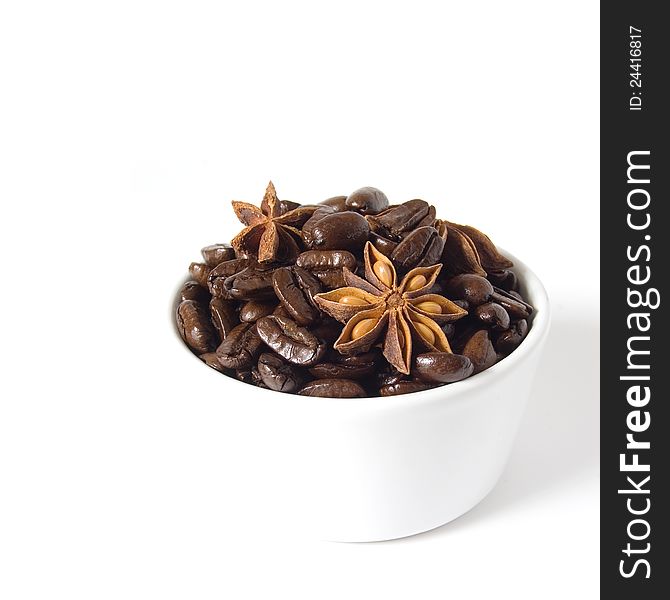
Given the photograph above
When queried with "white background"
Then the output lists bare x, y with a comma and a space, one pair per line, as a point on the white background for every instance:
126, 128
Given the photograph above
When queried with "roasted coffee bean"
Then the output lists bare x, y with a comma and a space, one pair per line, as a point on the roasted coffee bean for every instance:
420, 248
252, 283
245, 376
224, 316
367, 201
199, 272
335, 231
404, 387
384, 245
404, 218
296, 344
222, 271
493, 315
333, 388
256, 377
195, 327
308, 283
517, 309
287, 206
323, 260
212, 360
192, 290
327, 265
295, 288
327, 330
480, 351
215, 254
252, 310
504, 279
320, 213
277, 374
449, 330
280, 311
386, 377
442, 367
240, 348
336, 202
347, 367
427, 221
509, 340
474, 289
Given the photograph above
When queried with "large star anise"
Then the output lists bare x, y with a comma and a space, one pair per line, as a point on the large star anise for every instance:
378, 307
272, 231
468, 250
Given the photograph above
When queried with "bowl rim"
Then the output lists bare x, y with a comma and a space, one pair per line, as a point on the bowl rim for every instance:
538, 331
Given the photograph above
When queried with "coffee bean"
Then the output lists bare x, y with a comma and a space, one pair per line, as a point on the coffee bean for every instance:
335, 231
327, 265
508, 340
192, 290
385, 378
384, 245
280, 311
277, 374
215, 254
199, 272
224, 316
296, 344
449, 330
517, 309
442, 367
404, 387
395, 221
504, 279
252, 310
295, 291
245, 376
333, 388
480, 351
346, 367
493, 315
252, 283
212, 360
240, 348
336, 202
195, 327
327, 330
287, 206
219, 274
420, 248
367, 201
474, 289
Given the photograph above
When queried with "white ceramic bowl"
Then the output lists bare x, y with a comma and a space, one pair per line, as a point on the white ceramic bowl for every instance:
371, 469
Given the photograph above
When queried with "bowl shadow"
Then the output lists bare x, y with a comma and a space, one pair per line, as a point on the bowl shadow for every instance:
558, 440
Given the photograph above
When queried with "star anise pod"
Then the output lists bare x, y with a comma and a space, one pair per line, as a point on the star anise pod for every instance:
272, 231
379, 309
468, 250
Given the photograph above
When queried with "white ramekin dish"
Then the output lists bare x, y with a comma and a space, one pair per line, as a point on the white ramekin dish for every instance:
371, 469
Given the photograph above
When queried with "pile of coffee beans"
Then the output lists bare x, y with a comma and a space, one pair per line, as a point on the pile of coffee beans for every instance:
351, 297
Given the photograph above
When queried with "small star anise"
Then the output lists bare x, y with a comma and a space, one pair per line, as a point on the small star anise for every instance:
378, 307
272, 232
